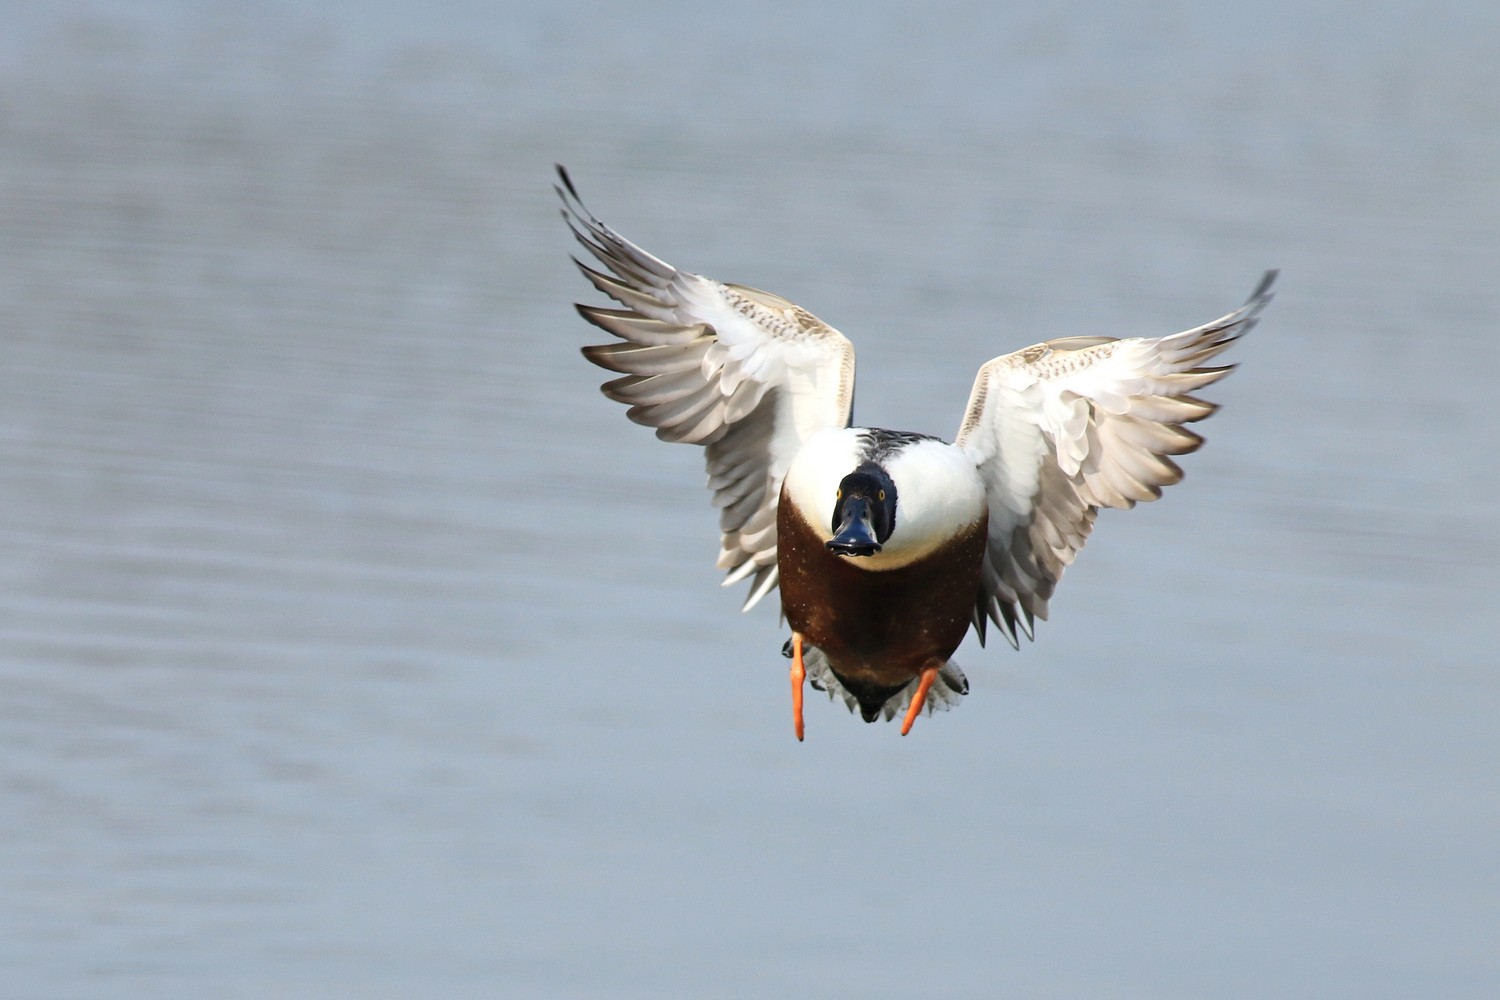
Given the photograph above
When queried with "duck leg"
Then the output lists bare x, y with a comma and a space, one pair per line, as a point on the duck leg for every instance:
799, 674
919, 699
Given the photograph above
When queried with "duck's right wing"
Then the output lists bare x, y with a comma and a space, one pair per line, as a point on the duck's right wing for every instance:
743, 372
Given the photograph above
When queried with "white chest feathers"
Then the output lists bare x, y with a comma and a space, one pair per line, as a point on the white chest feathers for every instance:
939, 492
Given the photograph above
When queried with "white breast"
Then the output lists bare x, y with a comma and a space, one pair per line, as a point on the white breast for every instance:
938, 492
813, 479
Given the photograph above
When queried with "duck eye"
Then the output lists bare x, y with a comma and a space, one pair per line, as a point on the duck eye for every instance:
882, 494
838, 494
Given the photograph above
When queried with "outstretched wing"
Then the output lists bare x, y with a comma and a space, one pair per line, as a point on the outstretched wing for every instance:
1065, 427
743, 372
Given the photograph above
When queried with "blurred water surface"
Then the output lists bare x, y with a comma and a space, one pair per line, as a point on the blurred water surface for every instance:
351, 645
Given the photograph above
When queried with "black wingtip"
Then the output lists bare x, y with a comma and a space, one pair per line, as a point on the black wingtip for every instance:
567, 182
1263, 290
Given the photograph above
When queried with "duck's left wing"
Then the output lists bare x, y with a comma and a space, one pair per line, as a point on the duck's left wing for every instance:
743, 372
1065, 427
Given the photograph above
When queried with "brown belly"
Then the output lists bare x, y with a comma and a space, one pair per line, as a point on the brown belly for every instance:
879, 627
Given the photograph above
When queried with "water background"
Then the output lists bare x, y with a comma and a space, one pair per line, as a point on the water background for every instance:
352, 645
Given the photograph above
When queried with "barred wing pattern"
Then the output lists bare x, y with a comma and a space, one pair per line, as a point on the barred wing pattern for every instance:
745, 373
1062, 428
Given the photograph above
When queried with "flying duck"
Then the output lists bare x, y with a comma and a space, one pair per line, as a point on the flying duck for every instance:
889, 545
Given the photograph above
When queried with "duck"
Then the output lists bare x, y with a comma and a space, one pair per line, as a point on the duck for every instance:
889, 546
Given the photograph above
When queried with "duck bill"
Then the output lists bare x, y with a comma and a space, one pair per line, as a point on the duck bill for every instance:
856, 536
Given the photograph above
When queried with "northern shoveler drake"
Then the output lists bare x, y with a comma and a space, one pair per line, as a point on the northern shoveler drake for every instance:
888, 545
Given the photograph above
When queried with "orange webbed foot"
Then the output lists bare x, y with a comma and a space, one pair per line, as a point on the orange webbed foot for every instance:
919, 699
799, 674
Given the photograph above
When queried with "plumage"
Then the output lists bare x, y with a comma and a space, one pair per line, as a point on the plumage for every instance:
889, 545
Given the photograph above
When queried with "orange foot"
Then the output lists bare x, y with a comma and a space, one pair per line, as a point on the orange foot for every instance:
919, 699
799, 674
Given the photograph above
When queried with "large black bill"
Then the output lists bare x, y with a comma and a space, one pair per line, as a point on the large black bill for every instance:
856, 536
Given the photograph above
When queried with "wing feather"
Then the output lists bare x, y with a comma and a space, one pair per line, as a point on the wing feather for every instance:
635, 359
1065, 427
743, 372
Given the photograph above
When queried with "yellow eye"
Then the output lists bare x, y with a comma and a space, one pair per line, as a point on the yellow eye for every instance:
838, 494
882, 494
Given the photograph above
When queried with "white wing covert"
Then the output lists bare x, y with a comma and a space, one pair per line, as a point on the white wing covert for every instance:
1062, 428
745, 373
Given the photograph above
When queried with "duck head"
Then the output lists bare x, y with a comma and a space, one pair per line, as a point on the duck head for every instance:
864, 512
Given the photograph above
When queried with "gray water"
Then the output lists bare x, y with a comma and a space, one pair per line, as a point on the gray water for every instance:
352, 645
